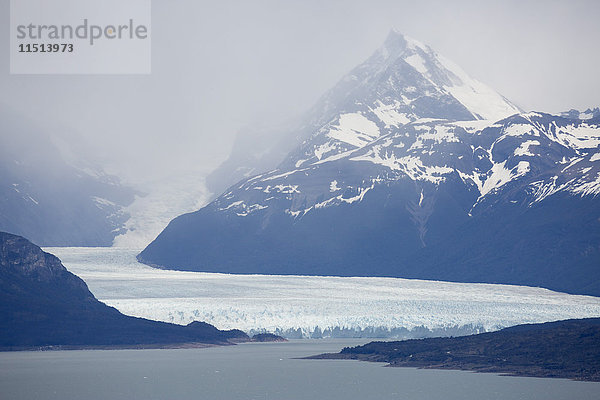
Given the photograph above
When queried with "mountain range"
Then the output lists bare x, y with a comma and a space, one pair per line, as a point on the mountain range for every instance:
48, 199
410, 168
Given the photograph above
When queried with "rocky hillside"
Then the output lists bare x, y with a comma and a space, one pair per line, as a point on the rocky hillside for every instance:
563, 349
42, 304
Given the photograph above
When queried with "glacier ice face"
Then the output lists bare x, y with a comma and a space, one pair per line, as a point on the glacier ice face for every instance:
312, 306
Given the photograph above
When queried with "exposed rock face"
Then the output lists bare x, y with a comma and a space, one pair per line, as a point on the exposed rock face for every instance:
43, 304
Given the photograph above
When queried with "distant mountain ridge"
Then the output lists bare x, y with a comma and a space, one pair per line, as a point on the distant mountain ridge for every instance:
44, 198
406, 178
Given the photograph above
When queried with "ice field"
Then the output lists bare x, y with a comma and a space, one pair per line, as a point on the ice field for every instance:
308, 306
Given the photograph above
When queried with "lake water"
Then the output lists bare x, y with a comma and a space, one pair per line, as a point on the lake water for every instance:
254, 371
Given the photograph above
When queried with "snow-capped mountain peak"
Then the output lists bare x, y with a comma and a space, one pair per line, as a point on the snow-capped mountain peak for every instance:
411, 169
482, 101
402, 82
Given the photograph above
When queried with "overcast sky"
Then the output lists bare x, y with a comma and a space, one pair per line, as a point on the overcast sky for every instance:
218, 66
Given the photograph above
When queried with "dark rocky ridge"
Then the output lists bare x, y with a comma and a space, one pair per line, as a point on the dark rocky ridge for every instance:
42, 304
563, 349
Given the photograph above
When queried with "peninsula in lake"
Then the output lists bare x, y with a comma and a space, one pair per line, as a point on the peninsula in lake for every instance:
564, 349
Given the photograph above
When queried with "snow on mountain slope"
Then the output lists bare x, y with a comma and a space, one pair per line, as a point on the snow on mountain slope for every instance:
526, 184
529, 148
401, 176
315, 306
403, 81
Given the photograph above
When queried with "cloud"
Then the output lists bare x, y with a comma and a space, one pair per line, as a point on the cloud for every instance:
221, 66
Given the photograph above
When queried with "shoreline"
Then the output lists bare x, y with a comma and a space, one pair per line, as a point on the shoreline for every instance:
113, 347
151, 346
501, 371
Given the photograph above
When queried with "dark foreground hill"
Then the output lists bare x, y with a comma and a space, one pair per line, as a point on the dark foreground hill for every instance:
563, 349
42, 304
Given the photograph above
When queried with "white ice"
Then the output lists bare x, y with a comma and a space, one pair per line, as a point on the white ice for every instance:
164, 200
299, 304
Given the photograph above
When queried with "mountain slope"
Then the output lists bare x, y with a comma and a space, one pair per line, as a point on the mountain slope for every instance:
402, 81
53, 203
43, 304
452, 197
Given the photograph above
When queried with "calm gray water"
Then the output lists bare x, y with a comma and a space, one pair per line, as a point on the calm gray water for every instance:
254, 371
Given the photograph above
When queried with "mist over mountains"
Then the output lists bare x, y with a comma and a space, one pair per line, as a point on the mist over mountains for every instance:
49, 200
409, 168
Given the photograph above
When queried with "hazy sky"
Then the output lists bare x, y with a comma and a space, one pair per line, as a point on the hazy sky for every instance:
218, 66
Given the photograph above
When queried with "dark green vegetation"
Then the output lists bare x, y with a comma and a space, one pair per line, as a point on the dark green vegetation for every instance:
42, 304
563, 349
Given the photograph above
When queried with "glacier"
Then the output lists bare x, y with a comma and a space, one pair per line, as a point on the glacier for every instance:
315, 306
159, 201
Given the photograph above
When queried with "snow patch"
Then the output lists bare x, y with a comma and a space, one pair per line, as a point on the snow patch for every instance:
102, 202
299, 163
580, 137
389, 115
417, 62
437, 134
475, 96
475, 125
520, 130
286, 189
413, 167
591, 188
323, 149
523, 149
499, 176
333, 187
354, 129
